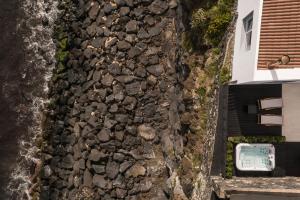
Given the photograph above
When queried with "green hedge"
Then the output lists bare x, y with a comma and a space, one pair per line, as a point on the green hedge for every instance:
232, 141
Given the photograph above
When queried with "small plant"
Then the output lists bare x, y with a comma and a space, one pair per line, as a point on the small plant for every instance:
63, 44
62, 56
225, 75
60, 68
199, 18
202, 92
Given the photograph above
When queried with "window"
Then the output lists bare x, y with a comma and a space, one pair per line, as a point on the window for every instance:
248, 22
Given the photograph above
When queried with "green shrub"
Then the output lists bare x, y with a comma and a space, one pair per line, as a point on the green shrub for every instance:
225, 75
199, 18
210, 24
232, 141
217, 26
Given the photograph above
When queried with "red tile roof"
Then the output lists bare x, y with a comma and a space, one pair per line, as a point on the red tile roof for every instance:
280, 33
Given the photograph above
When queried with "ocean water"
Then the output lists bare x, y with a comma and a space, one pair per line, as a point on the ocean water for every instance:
26, 62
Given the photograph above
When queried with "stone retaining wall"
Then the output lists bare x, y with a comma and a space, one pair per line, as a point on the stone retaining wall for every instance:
114, 131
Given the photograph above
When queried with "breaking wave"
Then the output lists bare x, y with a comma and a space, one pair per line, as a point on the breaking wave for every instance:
36, 27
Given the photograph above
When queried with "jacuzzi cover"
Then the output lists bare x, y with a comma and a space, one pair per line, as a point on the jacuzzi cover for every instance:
255, 157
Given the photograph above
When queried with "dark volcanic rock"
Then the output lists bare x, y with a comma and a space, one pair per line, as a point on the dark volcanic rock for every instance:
119, 157
97, 42
99, 169
94, 10
119, 135
123, 45
104, 135
120, 193
87, 178
110, 42
68, 162
114, 68
82, 164
125, 78
120, 2
125, 165
146, 132
116, 97
124, 11
143, 34
107, 80
96, 155
140, 72
154, 31
100, 181
109, 123
129, 102
158, 7
133, 52
112, 169
133, 88
132, 26
156, 70
136, 170
108, 7
122, 118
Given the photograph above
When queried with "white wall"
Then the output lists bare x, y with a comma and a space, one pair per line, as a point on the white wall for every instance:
277, 74
244, 61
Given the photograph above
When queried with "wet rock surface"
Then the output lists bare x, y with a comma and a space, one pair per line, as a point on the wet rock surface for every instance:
115, 131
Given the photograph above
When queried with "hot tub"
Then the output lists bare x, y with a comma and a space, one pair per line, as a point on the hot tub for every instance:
255, 157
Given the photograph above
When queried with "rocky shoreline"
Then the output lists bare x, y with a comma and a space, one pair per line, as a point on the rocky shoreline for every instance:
113, 128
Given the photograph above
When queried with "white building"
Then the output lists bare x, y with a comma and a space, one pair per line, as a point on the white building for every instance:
267, 41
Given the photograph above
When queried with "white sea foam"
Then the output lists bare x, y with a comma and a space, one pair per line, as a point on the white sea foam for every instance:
38, 22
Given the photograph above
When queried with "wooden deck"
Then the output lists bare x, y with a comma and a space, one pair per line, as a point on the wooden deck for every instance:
239, 121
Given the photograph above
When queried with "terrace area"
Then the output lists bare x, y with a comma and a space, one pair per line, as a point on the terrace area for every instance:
239, 114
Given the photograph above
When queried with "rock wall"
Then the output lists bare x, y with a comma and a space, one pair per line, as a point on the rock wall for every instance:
113, 128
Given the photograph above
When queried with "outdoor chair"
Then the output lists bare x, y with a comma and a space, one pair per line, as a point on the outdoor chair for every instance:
270, 120
269, 103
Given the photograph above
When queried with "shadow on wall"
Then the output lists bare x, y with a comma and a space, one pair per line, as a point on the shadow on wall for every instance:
274, 75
